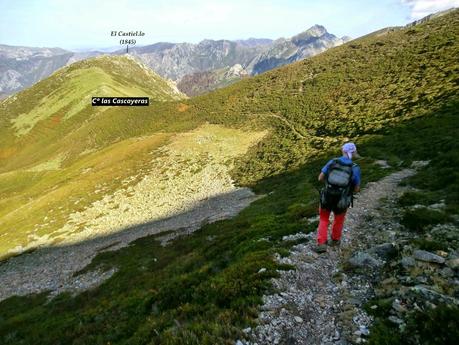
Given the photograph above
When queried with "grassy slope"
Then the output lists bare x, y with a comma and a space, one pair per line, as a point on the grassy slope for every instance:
37, 203
203, 290
55, 115
49, 140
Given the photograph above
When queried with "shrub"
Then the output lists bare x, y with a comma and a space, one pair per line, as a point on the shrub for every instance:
419, 219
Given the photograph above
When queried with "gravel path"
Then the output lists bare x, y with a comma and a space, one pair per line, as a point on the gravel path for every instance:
313, 299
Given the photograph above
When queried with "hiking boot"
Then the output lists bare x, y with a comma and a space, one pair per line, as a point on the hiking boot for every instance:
334, 243
320, 248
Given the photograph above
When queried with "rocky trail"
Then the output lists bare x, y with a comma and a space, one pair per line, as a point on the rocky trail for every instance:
321, 300
318, 302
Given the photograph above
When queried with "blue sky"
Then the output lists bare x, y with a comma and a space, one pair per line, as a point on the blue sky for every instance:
74, 24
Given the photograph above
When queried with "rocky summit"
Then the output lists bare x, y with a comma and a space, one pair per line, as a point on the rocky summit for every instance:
176, 60
201, 65
283, 51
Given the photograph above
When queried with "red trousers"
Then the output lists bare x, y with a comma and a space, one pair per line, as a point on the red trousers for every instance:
337, 229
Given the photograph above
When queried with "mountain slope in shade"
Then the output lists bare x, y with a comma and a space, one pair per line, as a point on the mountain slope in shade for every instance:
274, 54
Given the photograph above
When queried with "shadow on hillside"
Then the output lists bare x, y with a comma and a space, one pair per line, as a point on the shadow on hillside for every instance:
49, 267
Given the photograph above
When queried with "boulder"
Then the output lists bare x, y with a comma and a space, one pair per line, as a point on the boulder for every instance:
407, 262
395, 320
397, 306
423, 255
447, 272
363, 260
384, 251
434, 296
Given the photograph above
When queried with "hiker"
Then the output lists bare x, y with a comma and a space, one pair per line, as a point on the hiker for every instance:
342, 179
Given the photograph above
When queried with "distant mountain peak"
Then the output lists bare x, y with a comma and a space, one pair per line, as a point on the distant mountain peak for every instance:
313, 32
317, 29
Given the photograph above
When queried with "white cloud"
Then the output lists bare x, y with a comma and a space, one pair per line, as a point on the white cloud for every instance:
422, 8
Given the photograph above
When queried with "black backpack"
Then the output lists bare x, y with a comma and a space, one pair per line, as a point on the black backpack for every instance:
337, 194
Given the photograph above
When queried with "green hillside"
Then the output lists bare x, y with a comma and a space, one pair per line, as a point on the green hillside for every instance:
359, 88
56, 113
394, 92
50, 135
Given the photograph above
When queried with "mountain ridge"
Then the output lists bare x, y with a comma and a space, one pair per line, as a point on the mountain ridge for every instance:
14, 79
21, 67
226, 53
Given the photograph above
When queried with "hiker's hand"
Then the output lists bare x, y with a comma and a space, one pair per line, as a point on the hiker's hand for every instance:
321, 177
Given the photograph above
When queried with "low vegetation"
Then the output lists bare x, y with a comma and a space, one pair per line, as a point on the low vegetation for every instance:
203, 288
433, 202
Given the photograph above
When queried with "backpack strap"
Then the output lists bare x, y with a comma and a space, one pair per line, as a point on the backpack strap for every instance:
337, 162
334, 163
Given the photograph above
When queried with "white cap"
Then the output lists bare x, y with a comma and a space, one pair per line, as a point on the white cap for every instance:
350, 149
